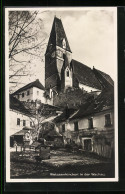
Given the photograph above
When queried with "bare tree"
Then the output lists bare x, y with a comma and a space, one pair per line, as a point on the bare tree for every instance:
40, 113
27, 39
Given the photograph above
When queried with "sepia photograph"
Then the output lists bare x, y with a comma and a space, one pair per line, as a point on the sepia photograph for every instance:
61, 94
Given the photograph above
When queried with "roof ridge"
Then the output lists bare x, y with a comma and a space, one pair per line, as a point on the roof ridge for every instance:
81, 63
29, 85
101, 71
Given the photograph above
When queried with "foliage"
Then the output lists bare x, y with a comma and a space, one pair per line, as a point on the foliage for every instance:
71, 98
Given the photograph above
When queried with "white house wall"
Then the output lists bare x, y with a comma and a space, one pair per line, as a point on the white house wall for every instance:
39, 96
33, 95
13, 121
26, 97
98, 121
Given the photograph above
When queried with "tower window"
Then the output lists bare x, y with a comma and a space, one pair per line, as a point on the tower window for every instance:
67, 73
22, 95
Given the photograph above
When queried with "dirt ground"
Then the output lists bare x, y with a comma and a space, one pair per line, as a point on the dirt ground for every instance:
62, 163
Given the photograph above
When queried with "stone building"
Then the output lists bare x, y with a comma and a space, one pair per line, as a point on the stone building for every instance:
61, 71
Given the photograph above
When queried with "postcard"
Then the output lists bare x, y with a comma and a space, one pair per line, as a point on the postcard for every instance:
61, 94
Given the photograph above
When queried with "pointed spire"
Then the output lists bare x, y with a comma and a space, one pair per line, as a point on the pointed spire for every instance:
57, 35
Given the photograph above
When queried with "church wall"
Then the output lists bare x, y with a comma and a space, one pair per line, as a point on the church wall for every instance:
50, 67
87, 88
59, 63
53, 81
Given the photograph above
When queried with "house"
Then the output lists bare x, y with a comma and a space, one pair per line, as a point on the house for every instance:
92, 126
28, 116
61, 71
20, 117
31, 92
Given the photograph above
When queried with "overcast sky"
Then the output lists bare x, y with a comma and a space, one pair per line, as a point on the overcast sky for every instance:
91, 36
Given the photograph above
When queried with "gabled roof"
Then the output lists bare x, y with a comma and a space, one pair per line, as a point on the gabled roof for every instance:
15, 104
23, 131
65, 115
84, 74
35, 83
104, 79
57, 35
103, 102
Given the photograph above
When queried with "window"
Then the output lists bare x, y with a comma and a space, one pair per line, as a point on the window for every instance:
64, 43
67, 73
37, 92
22, 95
18, 121
30, 124
76, 126
90, 123
107, 120
63, 128
28, 93
24, 123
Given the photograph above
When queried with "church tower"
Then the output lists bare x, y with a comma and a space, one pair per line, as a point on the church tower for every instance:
57, 50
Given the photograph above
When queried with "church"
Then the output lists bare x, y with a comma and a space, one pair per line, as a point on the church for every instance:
62, 72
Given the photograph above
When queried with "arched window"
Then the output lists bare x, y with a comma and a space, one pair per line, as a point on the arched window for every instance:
67, 73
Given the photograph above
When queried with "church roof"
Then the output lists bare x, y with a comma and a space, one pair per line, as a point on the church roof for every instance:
84, 74
104, 79
35, 83
57, 35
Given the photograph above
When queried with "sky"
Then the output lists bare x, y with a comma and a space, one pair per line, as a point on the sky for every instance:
91, 34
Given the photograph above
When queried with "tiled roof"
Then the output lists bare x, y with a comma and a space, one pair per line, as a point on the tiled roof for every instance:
84, 74
36, 84
58, 34
21, 132
104, 79
103, 102
65, 115
15, 104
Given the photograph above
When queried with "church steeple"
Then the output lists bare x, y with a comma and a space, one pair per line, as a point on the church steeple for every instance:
57, 47
58, 36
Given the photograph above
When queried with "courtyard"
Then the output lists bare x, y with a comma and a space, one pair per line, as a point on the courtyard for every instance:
63, 163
